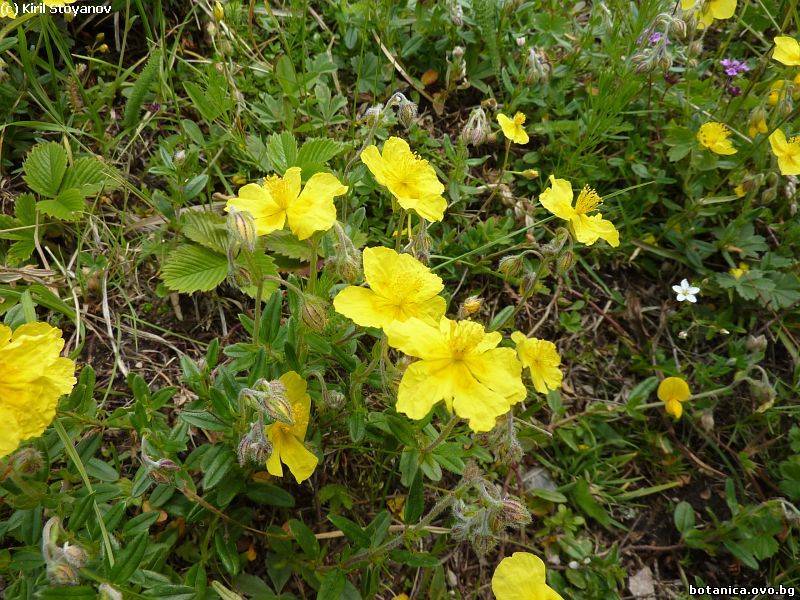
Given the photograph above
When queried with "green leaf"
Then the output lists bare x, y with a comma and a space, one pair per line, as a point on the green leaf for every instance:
282, 150
87, 174
304, 537
140, 89
203, 419
285, 243
72, 592
315, 153
45, 167
584, 499
65, 206
351, 530
129, 559
192, 268
684, 517
271, 495
205, 228
332, 586
268, 268
212, 101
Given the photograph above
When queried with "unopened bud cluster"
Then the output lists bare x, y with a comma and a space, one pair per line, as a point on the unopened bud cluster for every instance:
63, 563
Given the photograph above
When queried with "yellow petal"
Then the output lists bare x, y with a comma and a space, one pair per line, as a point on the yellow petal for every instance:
314, 209
424, 384
404, 283
590, 228
10, 434
673, 389
674, 408
375, 163
723, 9
476, 402
542, 360
286, 189
787, 50
558, 198
419, 338
430, 207
299, 400
521, 576
364, 307
255, 199
777, 140
512, 130
499, 370
299, 459
687, 4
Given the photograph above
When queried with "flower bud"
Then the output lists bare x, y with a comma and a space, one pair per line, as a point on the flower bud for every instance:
274, 401
75, 556
406, 113
242, 228
314, 312
254, 448
470, 306
514, 512
530, 174
219, 11
477, 128
62, 573
334, 399
756, 343
28, 460
565, 262
511, 266
106, 592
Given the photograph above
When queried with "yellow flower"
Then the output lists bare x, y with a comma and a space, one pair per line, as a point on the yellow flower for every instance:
280, 199
461, 364
759, 126
588, 228
57, 2
408, 177
400, 287
710, 10
513, 128
787, 50
521, 576
287, 440
33, 376
7, 10
740, 191
787, 152
542, 360
737, 272
672, 391
715, 136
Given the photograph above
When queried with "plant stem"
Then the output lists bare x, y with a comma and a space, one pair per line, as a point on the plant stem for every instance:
257, 311
446, 430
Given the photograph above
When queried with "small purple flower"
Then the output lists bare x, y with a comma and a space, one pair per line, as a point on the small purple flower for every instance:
734, 67
655, 37
734, 90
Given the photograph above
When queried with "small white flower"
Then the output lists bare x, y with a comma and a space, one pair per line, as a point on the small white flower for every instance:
686, 291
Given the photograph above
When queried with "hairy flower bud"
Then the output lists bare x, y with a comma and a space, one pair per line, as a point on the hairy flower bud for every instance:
407, 113
106, 592
75, 555
530, 174
515, 512
470, 306
511, 266
476, 128
242, 229
314, 312
254, 448
274, 401
539, 67
28, 460
62, 573
756, 343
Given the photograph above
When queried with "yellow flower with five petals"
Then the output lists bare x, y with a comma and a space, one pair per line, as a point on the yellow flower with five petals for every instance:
542, 360
460, 364
400, 287
408, 177
522, 576
787, 51
716, 137
672, 391
287, 439
513, 128
33, 376
737, 272
587, 228
786, 151
280, 199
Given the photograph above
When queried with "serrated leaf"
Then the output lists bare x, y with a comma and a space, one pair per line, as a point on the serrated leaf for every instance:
65, 206
25, 209
282, 150
287, 244
45, 167
207, 229
87, 175
315, 153
191, 268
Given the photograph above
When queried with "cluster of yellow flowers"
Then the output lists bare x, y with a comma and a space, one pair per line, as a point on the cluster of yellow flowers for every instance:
457, 362
34, 376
